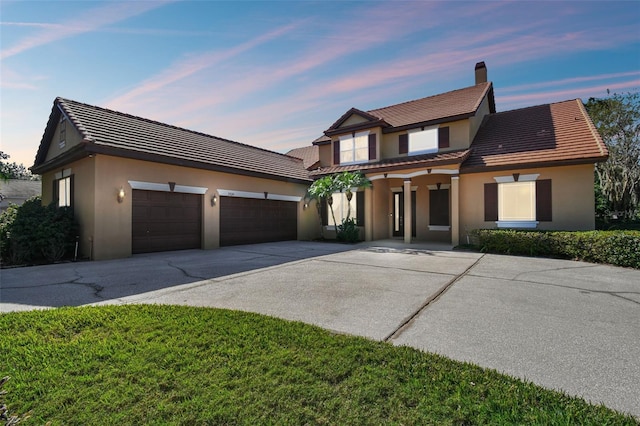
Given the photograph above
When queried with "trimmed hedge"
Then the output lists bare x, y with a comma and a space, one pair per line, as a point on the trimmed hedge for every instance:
33, 234
620, 248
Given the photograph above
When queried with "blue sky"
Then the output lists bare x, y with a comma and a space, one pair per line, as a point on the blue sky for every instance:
276, 74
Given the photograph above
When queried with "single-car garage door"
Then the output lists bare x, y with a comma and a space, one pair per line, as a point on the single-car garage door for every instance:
251, 220
164, 221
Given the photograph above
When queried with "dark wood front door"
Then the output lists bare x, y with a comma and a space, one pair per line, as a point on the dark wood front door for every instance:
164, 221
251, 220
398, 214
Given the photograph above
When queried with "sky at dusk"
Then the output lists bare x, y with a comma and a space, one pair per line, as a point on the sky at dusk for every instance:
276, 74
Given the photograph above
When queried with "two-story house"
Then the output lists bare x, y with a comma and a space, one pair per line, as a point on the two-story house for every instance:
446, 164
440, 166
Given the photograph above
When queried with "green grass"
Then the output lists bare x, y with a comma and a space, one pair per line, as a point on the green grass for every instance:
182, 365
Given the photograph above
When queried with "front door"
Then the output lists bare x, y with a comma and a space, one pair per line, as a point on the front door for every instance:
398, 214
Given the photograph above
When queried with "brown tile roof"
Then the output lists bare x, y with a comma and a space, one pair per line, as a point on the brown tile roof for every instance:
399, 163
459, 102
115, 133
554, 133
310, 155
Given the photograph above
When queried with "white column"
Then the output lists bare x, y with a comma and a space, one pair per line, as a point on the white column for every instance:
455, 210
407, 211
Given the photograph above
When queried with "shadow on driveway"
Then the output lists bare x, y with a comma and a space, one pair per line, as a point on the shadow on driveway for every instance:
80, 283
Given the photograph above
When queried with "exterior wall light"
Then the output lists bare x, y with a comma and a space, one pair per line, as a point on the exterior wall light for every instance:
121, 195
214, 200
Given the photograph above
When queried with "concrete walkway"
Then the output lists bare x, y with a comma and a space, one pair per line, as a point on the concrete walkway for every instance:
564, 325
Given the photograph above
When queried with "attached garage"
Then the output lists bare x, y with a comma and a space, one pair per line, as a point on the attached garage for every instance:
164, 221
252, 220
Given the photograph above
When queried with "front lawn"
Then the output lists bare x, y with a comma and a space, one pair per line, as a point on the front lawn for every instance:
141, 364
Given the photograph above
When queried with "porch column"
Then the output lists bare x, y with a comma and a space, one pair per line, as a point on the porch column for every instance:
368, 214
407, 211
455, 210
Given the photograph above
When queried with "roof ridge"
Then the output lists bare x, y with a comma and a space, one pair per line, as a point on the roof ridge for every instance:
534, 106
148, 120
488, 83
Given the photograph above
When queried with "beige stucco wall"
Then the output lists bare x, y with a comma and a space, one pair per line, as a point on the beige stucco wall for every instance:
476, 121
72, 138
353, 119
572, 198
326, 154
106, 224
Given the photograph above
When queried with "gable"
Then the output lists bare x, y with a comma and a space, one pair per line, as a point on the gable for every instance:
63, 137
354, 119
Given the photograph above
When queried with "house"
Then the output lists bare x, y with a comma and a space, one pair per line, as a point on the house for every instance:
17, 191
444, 165
440, 167
137, 185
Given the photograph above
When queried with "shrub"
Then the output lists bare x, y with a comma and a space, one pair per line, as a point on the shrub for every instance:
33, 233
348, 231
620, 248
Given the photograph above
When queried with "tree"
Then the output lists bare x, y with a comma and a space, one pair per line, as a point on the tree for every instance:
14, 170
322, 190
617, 119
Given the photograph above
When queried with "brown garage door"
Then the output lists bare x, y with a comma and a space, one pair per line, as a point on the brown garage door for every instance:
250, 220
165, 221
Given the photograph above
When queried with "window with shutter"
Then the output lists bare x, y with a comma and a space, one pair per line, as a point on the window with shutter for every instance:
443, 137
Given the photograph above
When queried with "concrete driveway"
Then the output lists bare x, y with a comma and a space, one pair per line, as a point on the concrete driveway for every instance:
564, 325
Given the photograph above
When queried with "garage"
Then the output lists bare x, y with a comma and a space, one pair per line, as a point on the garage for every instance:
252, 220
164, 221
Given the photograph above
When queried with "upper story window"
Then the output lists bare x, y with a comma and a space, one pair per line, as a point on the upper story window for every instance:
358, 147
425, 140
354, 148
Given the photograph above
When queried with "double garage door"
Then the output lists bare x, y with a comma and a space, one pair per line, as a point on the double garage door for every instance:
164, 221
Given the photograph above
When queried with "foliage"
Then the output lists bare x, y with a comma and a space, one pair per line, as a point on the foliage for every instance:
620, 248
33, 233
617, 119
323, 189
5, 415
348, 231
144, 364
14, 170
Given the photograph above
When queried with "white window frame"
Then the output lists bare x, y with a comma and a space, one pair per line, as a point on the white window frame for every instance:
354, 148
64, 192
507, 184
423, 140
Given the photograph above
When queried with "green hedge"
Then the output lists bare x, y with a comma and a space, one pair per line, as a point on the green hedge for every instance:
32, 233
620, 248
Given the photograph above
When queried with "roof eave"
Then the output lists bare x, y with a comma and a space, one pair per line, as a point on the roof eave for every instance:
532, 165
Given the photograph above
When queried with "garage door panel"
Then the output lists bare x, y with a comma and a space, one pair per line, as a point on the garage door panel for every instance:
163, 221
248, 221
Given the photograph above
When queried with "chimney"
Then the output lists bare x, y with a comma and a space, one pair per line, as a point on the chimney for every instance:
481, 73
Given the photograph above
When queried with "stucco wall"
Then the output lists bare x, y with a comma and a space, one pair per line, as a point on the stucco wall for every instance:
572, 198
106, 224
72, 138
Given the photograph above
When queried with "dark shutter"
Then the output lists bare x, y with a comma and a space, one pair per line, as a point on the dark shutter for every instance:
71, 191
324, 212
336, 152
360, 208
443, 137
543, 200
490, 202
372, 146
55, 194
439, 207
403, 144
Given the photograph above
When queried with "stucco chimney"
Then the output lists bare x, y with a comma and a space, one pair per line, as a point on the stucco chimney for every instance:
481, 73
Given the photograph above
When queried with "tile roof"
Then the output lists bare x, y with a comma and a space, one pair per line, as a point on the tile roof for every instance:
310, 155
125, 135
399, 163
553, 133
459, 102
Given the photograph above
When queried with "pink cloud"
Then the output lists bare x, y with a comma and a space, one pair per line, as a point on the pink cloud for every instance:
85, 22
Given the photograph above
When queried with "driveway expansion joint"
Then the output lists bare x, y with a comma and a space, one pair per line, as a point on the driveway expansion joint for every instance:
430, 300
